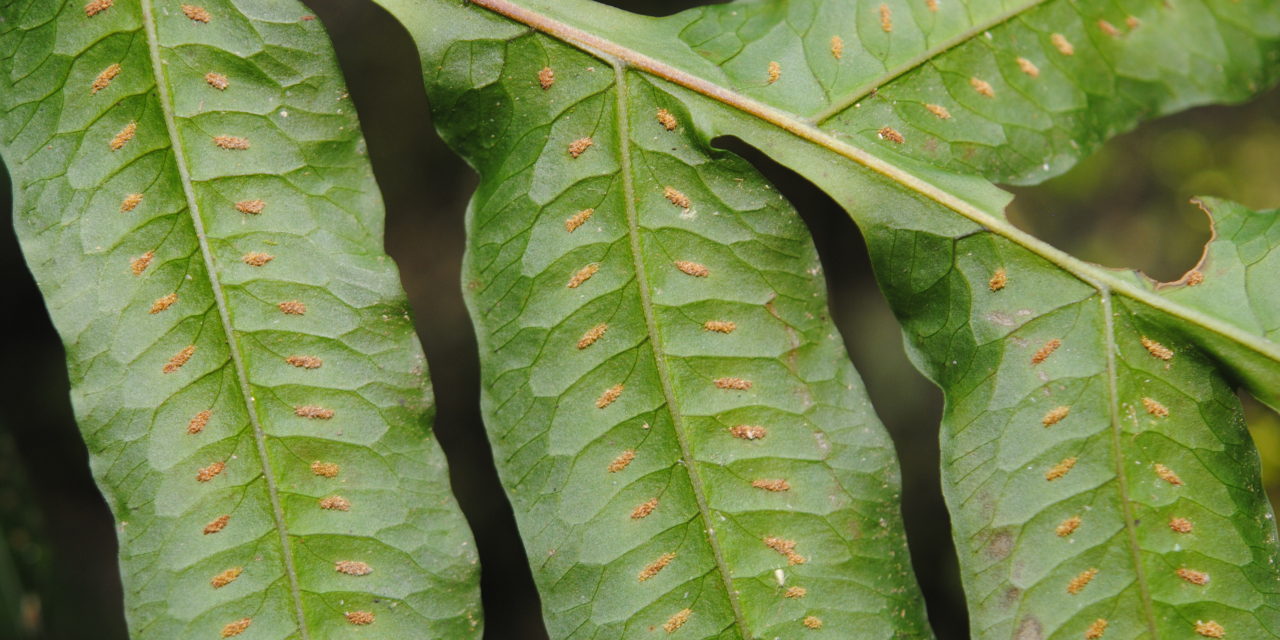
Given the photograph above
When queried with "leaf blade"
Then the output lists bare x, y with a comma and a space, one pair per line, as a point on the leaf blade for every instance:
173, 226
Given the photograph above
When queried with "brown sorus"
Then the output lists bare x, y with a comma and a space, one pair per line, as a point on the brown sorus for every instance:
619, 463
104, 79
304, 362
126, 134
199, 421
656, 566
180, 358
218, 524
325, 469
359, 617
335, 503
1081, 581
236, 628
1045, 351
583, 275
196, 13
231, 142
210, 472
162, 303
226, 577
251, 206
313, 412
576, 220
217, 81
293, 307
352, 567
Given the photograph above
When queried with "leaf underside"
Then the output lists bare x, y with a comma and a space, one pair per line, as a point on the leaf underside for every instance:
208, 237
1101, 480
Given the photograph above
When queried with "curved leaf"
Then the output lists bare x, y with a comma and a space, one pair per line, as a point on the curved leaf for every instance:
1062, 399
193, 199
685, 442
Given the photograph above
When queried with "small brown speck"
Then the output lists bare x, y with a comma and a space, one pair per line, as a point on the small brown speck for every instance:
217, 525
737, 384
795, 592
1210, 629
1193, 576
256, 258
748, 432
126, 134
694, 269
163, 302
812, 622
891, 134
335, 503
609, 396
130, 202
313, 412
180, 358
594, 333
1108, 28
776, 486
1180, 525
656, 566
1060, 469
1167, 474
1194, 277
676, 197
1095, 630
622, 461
236, 628
1055, 415
998, 280
546, 78
1063, 45
720, 326
1081, 581
1156, 349
1046, 351
97, 6
644, 509
982, 87
210, 472
359, 617
1155, 408
676, 621
583, 275
1028, 67
775, 72
886, 18
325, 469
667, 120
231, 142
786, 548
292, 308
1068, 526
837, 47
576, 220
1132, 22
304, 362
352, 568
253, 207
217, 81
226, 577
579, 146
104, 79
199, 421
932, 4
196, 13
939, 111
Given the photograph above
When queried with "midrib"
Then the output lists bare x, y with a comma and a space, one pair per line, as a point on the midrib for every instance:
1090, 274
224, 313
659, 355
1118, 459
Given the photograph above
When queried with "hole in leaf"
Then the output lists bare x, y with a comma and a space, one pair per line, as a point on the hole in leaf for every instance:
1127, 205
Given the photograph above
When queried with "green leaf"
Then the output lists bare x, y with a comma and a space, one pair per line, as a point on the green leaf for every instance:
1061, 399
685, 442
243, 364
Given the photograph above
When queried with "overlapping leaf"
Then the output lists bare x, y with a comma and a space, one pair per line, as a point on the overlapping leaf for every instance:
193, 199
687, 447
1095, 459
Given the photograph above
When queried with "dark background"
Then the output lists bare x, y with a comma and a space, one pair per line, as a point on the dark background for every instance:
1126, 206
